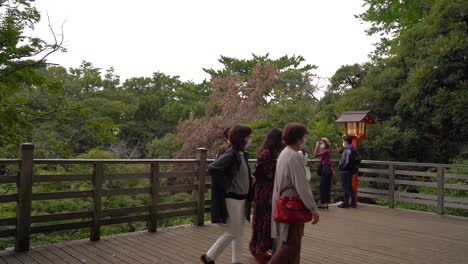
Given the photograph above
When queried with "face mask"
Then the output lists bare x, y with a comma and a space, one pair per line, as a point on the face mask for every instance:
322, 146
249, 142
344, 145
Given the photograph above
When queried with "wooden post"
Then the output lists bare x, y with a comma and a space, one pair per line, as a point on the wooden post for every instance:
201, 182
440, 190
154, 181
98, 176
23, 205
391, 186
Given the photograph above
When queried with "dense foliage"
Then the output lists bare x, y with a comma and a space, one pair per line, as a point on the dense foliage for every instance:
415, 85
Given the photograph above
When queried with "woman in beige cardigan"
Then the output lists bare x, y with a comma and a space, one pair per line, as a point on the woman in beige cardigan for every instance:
291, 180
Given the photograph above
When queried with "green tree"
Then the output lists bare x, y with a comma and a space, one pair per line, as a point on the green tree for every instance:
294, 80
418, 93
22, 61
347, 77
435, 95
389, 18
161, 103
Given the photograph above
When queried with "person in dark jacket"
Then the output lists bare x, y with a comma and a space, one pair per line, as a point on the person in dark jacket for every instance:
346, 173
231, 194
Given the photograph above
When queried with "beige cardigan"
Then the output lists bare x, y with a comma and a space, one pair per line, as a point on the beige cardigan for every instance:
290, 172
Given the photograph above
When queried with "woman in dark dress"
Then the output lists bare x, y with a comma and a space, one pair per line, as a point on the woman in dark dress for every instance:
261, 243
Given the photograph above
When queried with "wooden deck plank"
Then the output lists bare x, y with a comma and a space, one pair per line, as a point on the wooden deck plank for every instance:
76, 253
83, 247
366, 235
172, 255
124, 253
38, 257
58, 251
9, 258
23, 257
133, 252
118, 252
89, 249
45, 253
150, 255
395, 236
367, 240
204, 237
200, 242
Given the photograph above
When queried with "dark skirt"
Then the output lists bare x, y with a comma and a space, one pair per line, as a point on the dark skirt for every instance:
325, 183
261, 243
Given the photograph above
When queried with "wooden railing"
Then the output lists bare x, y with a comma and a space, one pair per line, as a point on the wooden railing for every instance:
24, 224
394, 178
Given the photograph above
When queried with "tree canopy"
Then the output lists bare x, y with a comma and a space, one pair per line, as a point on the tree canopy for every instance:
414, 84
415, 87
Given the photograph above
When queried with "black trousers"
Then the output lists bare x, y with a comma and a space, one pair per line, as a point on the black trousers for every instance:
347, 183
325, 183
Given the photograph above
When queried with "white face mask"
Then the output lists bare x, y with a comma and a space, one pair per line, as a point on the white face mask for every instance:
344, 145
322, 146
249, 142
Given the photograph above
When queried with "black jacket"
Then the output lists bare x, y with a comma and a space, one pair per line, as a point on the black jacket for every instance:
222, 171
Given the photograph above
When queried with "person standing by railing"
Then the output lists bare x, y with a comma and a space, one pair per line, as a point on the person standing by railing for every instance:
231, 194
346, 173
290, 180
261, 244
325, 171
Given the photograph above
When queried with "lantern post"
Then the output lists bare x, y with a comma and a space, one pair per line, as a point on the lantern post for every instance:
355, 123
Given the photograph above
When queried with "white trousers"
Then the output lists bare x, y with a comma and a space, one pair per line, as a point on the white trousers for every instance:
233, 232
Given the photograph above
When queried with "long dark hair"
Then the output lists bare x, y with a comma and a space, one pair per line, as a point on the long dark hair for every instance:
272, 142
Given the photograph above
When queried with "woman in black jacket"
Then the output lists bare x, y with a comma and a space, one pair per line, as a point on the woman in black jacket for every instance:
231, 194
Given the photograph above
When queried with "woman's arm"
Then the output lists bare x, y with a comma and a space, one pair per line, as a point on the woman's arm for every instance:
299, 181
321, 153
217, 170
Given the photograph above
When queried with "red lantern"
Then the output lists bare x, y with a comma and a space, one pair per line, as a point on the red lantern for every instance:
355, 126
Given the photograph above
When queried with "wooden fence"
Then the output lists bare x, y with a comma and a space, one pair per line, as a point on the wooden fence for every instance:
24, 224
99, 217
403, 181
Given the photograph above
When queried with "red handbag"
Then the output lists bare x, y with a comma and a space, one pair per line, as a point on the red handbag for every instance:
291, 210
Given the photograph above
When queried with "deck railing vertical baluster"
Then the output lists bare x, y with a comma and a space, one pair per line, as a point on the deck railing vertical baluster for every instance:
391, 186
200, 183
155, 184
440, 190
98, 176
23, 204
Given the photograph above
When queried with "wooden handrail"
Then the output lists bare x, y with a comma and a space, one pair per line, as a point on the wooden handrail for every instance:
110, 161
9, 161
414, 164
97, 216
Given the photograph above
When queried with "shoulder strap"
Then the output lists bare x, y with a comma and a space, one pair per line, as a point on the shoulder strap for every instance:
284, 189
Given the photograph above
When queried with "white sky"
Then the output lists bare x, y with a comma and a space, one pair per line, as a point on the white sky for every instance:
180, 37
